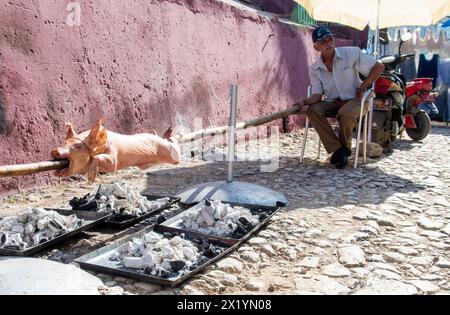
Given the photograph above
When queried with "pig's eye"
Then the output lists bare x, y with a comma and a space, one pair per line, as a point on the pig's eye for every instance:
78, 146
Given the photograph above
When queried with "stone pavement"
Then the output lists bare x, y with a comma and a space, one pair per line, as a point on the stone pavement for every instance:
381, 229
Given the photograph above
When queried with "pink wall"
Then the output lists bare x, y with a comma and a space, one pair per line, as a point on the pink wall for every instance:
141, 64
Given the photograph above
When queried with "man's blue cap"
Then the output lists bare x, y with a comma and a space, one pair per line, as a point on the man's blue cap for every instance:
320, 33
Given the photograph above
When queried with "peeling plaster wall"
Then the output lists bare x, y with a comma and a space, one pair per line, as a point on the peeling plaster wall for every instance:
141, 64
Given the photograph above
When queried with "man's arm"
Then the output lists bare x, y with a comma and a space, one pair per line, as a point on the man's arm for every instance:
374, 74
316, 91
313, 99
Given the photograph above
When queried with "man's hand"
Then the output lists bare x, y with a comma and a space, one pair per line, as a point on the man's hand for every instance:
374, 74
301, 104
360, 93
362, 89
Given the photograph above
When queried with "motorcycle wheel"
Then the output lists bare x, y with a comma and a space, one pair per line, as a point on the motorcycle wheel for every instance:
423, 123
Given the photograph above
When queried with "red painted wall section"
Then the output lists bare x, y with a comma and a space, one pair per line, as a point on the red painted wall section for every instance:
141, 64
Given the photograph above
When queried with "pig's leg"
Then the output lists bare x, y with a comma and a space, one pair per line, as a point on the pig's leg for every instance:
105, 163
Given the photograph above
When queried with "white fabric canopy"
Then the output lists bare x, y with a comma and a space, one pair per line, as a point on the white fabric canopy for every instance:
360, 13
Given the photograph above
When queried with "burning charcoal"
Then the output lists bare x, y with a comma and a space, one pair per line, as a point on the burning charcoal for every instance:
39, 213
3, 238
157, 255
18, 229
202, 260
165, 265
245, 223
148, 270
29, 229
135, 262
243, 227
164, 273
175, 241
177, 265
61, 257
217, 218
13, 241
7, 224
55, 226
115, 256
22, 218
40, 238
27, 240
162, 244
123, 248
160, 219
152, 238
121, 198
87, 203
72, 222
188, 252
43, 223
208, 215
210, 252
39, 226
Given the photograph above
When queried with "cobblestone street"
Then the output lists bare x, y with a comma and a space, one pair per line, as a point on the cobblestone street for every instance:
381, 229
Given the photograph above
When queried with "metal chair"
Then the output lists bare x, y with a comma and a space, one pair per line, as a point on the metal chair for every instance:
368, 95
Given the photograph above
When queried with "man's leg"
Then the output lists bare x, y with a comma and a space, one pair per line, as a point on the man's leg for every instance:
347, 117
317, 114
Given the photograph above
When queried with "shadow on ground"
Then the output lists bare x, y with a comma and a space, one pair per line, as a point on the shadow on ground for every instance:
311, 185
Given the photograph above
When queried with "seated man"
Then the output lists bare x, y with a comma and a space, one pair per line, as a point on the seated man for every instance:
337, 91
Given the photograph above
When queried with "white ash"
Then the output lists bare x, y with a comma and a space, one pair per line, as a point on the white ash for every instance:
34, 227
122, 198
157, 255
217, 218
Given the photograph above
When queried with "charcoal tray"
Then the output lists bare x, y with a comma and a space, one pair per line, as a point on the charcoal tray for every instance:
98, 261
120, 221
91, 219
172, 225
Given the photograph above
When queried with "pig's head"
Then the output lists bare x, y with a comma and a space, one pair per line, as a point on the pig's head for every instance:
79, 149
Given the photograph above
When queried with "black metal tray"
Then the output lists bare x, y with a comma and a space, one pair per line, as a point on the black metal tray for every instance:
91, 219
171, 225
98, 260
119, 221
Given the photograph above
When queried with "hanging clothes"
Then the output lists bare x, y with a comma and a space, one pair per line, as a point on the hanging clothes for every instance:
444, 70
428, 68
408, 69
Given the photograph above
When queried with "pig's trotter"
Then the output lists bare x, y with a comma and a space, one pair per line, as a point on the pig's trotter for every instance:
92, 171
105, 163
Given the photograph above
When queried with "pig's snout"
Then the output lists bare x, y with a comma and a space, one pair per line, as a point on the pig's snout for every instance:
60, 153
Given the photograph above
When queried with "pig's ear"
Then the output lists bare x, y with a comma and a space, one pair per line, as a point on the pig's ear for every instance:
98, 135
168, 133
70, 131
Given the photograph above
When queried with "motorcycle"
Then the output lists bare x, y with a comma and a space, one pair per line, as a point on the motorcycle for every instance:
420, 91
396, 105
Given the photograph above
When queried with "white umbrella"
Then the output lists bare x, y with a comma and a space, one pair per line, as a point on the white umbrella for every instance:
377, 13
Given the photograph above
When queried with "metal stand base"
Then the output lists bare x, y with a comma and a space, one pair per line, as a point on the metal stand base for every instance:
236, 192
233, 191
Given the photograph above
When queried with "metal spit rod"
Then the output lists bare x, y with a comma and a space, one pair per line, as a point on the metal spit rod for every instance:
232, 139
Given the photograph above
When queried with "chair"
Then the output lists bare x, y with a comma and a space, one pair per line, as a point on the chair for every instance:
368, 95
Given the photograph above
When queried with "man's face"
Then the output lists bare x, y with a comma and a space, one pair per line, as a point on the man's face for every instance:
325, 46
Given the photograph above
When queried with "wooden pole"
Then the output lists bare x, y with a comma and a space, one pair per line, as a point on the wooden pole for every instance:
28, 169
242, 125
